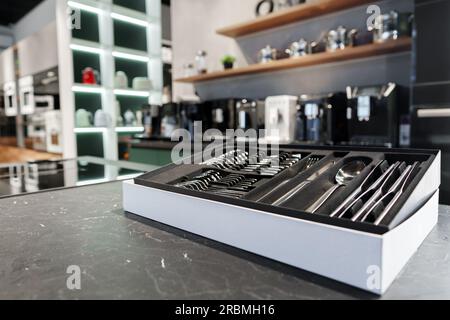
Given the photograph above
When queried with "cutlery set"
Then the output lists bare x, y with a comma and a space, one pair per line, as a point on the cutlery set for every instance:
378, 193
333, 211
220, 183
370, 202
235, 173
348, 186
259, 163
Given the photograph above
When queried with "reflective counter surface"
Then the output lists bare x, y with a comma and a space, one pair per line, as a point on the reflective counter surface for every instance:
22, 178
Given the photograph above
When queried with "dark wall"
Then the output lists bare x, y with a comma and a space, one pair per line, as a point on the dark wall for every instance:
431, 88
432, 83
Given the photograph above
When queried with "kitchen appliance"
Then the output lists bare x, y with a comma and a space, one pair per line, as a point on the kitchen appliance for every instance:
298, 49
102, 119
142, 84
200, 62
192, 111
37, 131
386, 27
46, 90
321, 119
373, 114
90, 76
237, 190
53, 131
83, 118
221, 115
337, 39
121, 80
267, 54
44, 130
44, 103
152, 120
26, 95
169, 121
129, 118
250, 114
11, 107
280, 119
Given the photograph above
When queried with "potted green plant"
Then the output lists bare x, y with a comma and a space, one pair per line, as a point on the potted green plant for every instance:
228, 61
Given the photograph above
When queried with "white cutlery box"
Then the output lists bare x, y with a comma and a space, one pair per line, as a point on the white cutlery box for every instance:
355, 253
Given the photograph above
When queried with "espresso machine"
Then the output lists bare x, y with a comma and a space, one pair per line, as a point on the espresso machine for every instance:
169, 119
321, 119
221, 115
280, 119
250, 114
152, 121
191, 112
374, 112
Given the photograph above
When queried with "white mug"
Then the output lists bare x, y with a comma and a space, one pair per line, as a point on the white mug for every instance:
102, 119
121, 80
130, 118
83, 118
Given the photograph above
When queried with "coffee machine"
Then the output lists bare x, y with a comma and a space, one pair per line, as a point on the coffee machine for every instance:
221, 115
169, 119
321, 119
152, 121
280, 119
374, 112
191, 111
250, 114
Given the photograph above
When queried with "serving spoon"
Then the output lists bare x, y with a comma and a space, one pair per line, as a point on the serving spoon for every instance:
343, 177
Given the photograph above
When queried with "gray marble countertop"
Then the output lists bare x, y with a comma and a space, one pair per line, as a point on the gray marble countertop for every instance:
125, 257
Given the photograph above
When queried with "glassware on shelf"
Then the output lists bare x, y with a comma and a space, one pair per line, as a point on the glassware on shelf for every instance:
200, 62
121, 80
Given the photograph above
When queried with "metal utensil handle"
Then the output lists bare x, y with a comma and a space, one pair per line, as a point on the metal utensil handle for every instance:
291, 193
355, 193
397, 196
324, 198
379, 193
392, 191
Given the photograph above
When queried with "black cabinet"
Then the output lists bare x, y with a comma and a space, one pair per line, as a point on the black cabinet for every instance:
431, 90
433, 41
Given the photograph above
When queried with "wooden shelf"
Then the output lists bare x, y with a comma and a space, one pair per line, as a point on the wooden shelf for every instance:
291, 15
365, 51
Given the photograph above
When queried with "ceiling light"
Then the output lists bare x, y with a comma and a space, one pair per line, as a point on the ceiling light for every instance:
131, 20
130, 56
131, 93
84, 7
77, 47
87, 89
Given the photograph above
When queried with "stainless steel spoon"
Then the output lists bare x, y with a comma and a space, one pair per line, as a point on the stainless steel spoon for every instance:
345, 175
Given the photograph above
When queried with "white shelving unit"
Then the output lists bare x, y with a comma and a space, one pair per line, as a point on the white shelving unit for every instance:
107, 52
